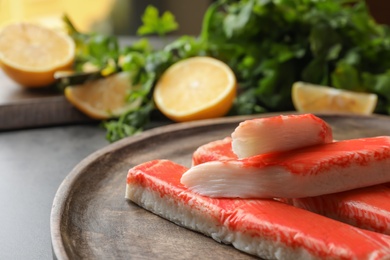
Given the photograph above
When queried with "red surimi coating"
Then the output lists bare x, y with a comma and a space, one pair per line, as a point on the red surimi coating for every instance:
213, 151
367, 208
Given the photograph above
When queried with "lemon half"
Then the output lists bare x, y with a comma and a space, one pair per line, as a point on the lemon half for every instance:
30, 54
195, 88
103, 98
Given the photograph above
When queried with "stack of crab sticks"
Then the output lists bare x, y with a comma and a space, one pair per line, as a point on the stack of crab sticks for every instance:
278, 188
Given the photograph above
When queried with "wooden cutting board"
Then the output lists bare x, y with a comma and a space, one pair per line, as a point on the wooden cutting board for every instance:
27, 108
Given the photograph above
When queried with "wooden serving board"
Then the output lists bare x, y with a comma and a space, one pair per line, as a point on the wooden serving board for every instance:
91, 219
27, 108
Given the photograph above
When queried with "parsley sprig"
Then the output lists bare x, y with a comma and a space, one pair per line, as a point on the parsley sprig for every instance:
153, 23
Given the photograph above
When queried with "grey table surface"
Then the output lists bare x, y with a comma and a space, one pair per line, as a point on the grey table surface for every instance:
33, 163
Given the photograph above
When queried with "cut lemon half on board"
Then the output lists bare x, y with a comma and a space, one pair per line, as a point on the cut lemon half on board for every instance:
30, 54
315, 98
195, 88
102, 98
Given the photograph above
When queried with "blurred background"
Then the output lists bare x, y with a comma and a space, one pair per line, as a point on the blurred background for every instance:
123, 17
119, 17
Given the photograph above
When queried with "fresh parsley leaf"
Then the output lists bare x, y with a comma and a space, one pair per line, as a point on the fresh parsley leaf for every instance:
130, 123
154, 24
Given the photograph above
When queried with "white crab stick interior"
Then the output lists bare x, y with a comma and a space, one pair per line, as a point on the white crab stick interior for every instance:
279, 133
310, 171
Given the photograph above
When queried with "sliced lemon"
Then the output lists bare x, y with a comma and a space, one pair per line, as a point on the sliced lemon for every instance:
102, 98
30, 54
317, 99
195, 88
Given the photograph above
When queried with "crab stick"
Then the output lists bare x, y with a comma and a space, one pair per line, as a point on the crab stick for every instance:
214, 151
367, 207
279, 133
265, 228
306, 172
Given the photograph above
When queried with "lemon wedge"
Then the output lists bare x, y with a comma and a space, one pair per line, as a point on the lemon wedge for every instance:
310, 98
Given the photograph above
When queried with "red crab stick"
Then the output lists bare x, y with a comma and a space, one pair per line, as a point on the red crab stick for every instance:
214, 151
305, 172
279, 133
266, 228
367, 208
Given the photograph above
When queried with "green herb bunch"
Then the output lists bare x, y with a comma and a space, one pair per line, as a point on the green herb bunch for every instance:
269, 44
